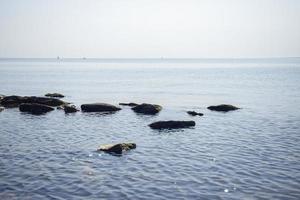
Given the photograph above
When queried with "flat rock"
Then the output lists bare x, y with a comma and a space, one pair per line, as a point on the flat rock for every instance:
15, 101
193, 113
35, 108
70, 109
55, 95
223, 108
117, 148
147, 109
172, 124
99, 107
128, 104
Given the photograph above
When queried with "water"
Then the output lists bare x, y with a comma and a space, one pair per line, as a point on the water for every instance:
252, 153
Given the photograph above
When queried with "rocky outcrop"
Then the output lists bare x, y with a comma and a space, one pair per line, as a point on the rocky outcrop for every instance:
223, 108
15, 101
55, 95
70, 109
193, 113
128, 104
147, 109
34, 108
172, 124
99, 107
117, 148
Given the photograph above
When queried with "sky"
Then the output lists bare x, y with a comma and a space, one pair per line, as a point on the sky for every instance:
149, 28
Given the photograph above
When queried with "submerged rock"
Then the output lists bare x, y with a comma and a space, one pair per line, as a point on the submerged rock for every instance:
15, 101
70, 109
55, 95
223, 108
117, 148
35, 108
99, 107
128, 104
193, 113
172, 124
147, 109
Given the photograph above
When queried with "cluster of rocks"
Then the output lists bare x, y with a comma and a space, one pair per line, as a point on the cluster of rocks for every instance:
41, 105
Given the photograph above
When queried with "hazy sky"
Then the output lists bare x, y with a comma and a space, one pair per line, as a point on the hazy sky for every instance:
149, 28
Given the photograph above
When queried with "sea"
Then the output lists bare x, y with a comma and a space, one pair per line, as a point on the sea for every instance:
251, 153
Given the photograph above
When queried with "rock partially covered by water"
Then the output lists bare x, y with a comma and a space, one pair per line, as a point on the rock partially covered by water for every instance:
147, 109
1, 109
193, 113
223, 108
99, 107
172, 124
117, 148
128, 104
15, 101
70, 109
34, 108
55, 95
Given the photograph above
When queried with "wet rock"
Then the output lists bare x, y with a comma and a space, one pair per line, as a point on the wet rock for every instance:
55, 95
193, 113
70, 109
12, 101
117, 148
128, 104
1, 109
35, 108
148, 109
99, 107
172, 124
15, 101
223, 108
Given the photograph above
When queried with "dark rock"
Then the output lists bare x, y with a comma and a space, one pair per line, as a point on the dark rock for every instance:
12, 101
117, 148
15, 101
99, 107
35, 108
172, 124
55, 95
223, 108
193, 113
70, 109
128, 104
1, 109
148, 109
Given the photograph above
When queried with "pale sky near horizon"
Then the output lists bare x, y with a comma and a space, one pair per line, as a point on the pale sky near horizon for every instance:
150, 28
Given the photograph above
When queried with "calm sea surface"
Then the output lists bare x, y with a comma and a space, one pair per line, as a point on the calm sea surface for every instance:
252, 153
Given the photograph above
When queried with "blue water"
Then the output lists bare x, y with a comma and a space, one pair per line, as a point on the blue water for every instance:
252, 153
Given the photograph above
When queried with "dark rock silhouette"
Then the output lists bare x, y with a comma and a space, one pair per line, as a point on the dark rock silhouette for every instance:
172, 124
55, 95
70, 109
117, 148
34, 108
147, 109
128, 104
223, 108
193, 113
15, 101
99, 107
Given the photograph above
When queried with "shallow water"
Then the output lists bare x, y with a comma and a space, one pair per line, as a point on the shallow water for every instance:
252, 153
